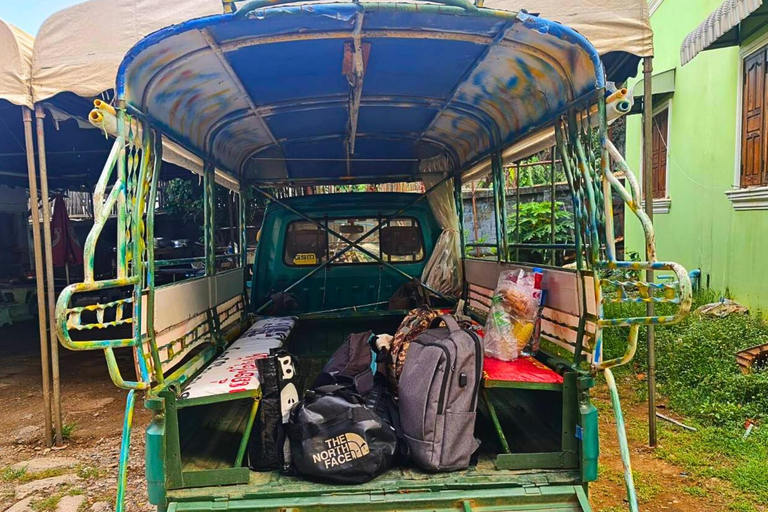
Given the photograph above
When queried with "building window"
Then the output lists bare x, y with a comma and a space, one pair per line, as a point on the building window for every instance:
659, 157
753, 130
659, 160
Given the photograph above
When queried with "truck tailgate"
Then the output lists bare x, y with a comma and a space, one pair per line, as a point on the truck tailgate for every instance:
539, 499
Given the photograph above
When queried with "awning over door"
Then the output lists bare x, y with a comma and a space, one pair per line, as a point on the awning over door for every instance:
661, 83
729, 25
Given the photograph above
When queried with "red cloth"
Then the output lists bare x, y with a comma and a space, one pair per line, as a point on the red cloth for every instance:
64, 245
522, 369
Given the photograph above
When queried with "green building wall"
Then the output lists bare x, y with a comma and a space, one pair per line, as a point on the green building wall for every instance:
702, 229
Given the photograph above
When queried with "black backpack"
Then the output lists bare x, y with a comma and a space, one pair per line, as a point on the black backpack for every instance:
354, 364
357, 366
336, 438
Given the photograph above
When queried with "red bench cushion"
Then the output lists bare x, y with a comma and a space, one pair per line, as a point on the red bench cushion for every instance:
522, 369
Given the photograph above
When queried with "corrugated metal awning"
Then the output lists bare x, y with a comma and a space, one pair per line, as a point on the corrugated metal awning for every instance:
720, 23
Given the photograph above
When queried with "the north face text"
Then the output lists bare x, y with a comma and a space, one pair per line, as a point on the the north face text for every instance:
341, 449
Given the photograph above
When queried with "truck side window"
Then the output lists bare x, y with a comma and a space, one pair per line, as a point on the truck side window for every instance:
399, 241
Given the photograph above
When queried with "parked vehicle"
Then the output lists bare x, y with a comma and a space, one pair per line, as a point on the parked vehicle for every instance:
277, 95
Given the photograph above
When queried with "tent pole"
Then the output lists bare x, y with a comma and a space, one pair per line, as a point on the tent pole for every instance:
648, 186
39, 116
41, 315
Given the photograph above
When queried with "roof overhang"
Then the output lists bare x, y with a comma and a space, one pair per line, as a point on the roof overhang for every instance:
661, 83
729, 25
355, 92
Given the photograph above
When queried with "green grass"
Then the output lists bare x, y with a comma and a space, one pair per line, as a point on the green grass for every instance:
9, 474
698, 377
695, 490
87, 472
46, 504
647, 486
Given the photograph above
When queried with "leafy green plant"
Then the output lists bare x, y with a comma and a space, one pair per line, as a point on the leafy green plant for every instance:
539, 174
536, 227
473, 252
67, 429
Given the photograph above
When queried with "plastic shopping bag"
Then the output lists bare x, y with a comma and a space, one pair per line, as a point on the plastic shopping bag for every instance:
512, 315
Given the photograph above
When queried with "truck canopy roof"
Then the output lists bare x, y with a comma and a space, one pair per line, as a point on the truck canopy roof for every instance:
355, 92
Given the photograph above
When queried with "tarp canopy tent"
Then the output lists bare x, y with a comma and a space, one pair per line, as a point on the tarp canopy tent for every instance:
16, 65
73, 61
15, 70
620, 30
74, 54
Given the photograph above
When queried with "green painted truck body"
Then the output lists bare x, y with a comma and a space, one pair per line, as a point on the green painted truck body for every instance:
551, 428
345, 285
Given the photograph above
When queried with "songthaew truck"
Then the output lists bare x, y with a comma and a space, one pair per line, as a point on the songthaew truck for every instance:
282, 101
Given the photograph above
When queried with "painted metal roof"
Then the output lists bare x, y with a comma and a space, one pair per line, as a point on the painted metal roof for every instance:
338, 92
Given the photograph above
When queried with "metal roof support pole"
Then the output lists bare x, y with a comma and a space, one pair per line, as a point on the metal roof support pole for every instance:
517, 211
458, 197
648, 186
243, 241
209, 224
500, 206
41, 316
51, 292
552, 193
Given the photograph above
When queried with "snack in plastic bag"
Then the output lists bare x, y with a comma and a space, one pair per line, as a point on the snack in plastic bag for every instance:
512, 315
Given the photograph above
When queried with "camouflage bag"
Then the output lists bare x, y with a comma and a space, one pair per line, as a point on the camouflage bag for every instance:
416, 322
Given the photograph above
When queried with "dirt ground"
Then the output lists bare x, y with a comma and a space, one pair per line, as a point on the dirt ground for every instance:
94, 408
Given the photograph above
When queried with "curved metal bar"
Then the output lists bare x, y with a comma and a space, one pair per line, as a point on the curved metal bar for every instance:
623, 444
449, 151
686, 294
125, 447
482, 117
62, 314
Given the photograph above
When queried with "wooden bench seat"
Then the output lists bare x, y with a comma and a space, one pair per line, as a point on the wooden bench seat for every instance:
232, 375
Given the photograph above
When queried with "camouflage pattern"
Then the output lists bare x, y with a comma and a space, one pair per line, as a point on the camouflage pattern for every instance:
416, 322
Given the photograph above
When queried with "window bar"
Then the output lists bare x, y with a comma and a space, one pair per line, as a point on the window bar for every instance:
501, 183
517, 211
327, 241
208, 224
243, 228
496, 208
552, 203
378, 221
457, 196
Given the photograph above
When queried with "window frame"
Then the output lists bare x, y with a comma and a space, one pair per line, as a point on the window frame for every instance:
755, 197
413, 219
661, 205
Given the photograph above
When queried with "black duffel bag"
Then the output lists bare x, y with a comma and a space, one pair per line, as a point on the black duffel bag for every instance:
335, 438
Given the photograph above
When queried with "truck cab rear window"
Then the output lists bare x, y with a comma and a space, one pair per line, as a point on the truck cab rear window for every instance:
398, 241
